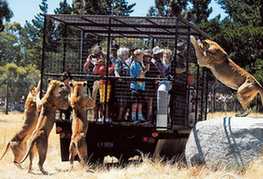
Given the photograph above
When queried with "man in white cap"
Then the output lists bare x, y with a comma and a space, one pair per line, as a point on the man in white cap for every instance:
157, 60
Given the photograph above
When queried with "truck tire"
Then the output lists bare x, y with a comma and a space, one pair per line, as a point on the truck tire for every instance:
170, 149
95, 159
64, 147
124, 159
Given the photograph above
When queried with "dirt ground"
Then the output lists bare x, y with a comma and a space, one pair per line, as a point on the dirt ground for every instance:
10, 124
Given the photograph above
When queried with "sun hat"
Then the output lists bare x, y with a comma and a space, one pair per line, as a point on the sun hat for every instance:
181, 47
147, 53
138, 52
157, 50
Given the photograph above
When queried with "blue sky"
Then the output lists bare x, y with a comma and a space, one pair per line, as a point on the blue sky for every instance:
26, 9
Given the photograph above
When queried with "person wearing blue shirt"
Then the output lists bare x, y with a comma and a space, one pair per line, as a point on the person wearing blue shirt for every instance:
137, 87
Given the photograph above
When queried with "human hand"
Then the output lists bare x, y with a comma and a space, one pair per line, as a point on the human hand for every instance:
100, 61
89, 57
147, 67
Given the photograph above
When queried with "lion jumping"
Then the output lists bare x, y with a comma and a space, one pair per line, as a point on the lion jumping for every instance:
18, 143
54, 98
80, 103
212, 56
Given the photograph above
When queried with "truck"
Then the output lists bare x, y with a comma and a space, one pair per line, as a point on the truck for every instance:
178, 100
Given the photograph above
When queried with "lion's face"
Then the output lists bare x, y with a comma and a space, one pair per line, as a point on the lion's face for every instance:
204, 44
77, 87
58, 92
30, 103
212, 50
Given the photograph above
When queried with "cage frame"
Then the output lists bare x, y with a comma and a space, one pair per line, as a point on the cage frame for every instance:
108, 26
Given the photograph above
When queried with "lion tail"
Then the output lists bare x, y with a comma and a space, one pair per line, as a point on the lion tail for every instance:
32, 143
261, 95
6, 149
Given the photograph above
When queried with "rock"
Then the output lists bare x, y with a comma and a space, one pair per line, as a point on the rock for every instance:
229, 142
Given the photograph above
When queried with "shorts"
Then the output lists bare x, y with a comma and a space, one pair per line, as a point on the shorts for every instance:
102, 92
137, 96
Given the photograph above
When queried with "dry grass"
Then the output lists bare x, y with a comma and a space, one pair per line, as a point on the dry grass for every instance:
9, 124
230, 114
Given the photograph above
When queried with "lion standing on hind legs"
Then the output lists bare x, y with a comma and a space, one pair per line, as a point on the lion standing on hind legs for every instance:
18, 143
56, 97
80, 104
212, 56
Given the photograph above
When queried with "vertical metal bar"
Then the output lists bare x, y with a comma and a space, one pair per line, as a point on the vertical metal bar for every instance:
186, 123
81, 51
7, 98
43, 56
202, 92
173, 69
153, 43
107, 66
64, 47
206, 93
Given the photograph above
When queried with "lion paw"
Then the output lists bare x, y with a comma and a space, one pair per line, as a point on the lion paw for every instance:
192, 39
96, 85
244, 114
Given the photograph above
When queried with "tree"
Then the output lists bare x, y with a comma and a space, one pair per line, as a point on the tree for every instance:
102, 7
244, 12
168, 8
152, 12
64, 8
200, 11
34, 34
242, 33
19, 79
5, 13
9, 45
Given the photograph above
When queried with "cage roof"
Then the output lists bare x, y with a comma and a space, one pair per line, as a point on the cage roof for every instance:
130, 26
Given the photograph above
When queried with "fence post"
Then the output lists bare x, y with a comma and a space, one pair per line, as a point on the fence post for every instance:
6, 99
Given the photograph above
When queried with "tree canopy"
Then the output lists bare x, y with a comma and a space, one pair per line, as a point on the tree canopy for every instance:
240, 34
102, 7
5, 13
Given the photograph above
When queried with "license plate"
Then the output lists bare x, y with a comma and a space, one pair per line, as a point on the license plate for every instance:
105, 144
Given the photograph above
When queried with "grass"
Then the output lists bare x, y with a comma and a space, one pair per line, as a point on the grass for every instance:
230, 114
11, 123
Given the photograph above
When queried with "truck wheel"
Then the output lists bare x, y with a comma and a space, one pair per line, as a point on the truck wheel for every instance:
64, 147
96, 159
170, 149
123, 159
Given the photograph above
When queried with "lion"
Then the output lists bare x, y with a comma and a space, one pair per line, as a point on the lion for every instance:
18, 143
53, 99
212, 56
80, 103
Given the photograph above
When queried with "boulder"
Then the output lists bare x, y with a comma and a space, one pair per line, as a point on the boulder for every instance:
229, 142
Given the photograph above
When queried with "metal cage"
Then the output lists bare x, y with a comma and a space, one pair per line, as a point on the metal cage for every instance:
69, 39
